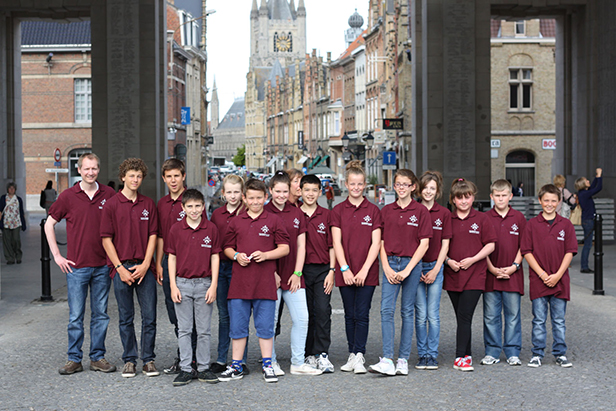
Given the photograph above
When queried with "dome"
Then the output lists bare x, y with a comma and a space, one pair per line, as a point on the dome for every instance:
356, 21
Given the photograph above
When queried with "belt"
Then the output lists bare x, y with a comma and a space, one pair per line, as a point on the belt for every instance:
132, 261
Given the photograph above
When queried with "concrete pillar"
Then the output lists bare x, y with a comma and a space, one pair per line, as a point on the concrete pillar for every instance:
128, 63
12, 166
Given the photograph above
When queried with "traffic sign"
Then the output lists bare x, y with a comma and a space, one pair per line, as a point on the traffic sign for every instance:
57, 154
185, 115
305, 170
211, 183
389, 158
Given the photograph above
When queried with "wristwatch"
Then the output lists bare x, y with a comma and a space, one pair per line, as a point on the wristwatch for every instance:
344, 268
297, 273
517, 266
332, 269
235, 256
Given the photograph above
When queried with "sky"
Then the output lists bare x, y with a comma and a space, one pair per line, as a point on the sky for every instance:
228, 39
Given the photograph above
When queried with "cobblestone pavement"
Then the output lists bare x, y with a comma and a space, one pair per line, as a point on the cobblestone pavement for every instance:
33, 346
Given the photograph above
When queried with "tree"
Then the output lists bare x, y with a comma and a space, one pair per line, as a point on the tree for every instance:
240, 158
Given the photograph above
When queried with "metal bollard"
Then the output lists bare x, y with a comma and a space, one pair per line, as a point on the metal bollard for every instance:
45, 265
598, 256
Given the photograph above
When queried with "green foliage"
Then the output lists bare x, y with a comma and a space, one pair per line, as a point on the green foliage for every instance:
372, 179
240, 158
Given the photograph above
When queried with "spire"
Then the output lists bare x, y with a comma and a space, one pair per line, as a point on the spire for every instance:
263, 7
255, 10
214, 106
301, 9
292, 7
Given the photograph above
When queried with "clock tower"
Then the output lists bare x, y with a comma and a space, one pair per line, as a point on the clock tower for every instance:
277, 32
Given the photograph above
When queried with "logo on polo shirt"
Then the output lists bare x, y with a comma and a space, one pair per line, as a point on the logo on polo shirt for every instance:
413, 221
321, 229
295, 223
367, 221
474, 229
514, 229
207, 242
100, 207
561, 235
181, 215
145, 213
264, 231
437, 224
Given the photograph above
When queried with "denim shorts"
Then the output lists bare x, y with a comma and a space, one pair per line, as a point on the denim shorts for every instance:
264, 312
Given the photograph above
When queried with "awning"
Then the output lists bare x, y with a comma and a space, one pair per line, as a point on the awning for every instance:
314, 162
271, 162
302, 160
325, 157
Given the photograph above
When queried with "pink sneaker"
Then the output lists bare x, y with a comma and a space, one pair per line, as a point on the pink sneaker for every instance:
461, 364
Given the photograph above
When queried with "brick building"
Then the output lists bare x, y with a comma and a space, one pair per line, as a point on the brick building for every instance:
56, 101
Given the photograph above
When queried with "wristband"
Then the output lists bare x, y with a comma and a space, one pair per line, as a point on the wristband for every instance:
344, 268
332, 269
235, 256
297, 273
447, 259
517, 266
117, 266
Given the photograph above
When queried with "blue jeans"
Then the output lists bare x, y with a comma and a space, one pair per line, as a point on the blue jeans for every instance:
357, 302
589, 227
146, 295
495, 303
558, 308
427, 311
298, 310
77, 283
389, 295
224, 280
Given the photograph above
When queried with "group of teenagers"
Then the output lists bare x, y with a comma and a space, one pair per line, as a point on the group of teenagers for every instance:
254, 257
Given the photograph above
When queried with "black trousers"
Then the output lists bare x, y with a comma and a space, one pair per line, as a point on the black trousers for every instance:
464, 304
319, 309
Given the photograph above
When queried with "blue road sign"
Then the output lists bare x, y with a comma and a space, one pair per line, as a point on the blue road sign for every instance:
305, 170
185, 113
389, 158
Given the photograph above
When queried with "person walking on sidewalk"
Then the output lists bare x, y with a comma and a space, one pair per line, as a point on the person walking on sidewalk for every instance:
585, 193
50, 195
329, 194
85, 263
12, 220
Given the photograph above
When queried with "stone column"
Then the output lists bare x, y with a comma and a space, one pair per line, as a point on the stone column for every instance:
128, 71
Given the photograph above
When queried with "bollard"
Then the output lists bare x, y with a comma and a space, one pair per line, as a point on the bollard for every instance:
598, 256
45, 265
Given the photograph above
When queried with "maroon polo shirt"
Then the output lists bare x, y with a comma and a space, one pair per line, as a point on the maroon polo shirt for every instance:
440, 218
403, 228
222, 217
549, 243
169, 212
357, 225
83, 218
318, 236
193, 248
129, 225
469, 236
256, 281
509, 231
294, 221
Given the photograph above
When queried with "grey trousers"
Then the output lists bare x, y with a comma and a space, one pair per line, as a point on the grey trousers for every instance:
194, 310
11, 242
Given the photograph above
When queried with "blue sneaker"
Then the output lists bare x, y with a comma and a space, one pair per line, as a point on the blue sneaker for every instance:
432, 364
422, 364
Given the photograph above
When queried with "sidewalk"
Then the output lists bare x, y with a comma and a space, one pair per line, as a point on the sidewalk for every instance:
33, 346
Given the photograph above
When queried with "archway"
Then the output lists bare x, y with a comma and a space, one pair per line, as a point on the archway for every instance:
520, 168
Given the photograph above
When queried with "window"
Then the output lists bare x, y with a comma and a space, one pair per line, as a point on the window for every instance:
520, 28
83, 100
336, 123
520, 88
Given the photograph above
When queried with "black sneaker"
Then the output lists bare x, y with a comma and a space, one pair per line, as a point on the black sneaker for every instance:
207, 376
269, 375
245, 369
586, 271
174, 369
231, 373
183, 378
217, 368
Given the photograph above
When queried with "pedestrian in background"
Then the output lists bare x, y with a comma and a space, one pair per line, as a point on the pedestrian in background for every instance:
329, 194
50, 195
585, 192
567, 199
12, 219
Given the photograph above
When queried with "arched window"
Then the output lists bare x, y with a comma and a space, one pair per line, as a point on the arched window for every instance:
520, 168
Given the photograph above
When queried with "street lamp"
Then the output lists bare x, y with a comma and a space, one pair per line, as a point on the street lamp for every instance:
345, 140
320, 151
369, 140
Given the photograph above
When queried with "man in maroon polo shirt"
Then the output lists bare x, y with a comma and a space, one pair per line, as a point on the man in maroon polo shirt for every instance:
169, 212
129, 228
85, 264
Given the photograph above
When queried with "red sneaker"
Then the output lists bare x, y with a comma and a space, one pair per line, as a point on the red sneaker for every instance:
461, 364
468, 359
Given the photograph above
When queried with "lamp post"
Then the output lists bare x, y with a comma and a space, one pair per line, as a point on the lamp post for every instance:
368, 141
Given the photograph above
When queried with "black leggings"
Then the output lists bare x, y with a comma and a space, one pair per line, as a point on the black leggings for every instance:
464, 304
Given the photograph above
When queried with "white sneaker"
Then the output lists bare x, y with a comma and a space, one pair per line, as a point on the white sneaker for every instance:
359, 364
385, 367
324, 364
305, 369
277, 370
402, 367
350, 364
489, 360
311, 360
513, 360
